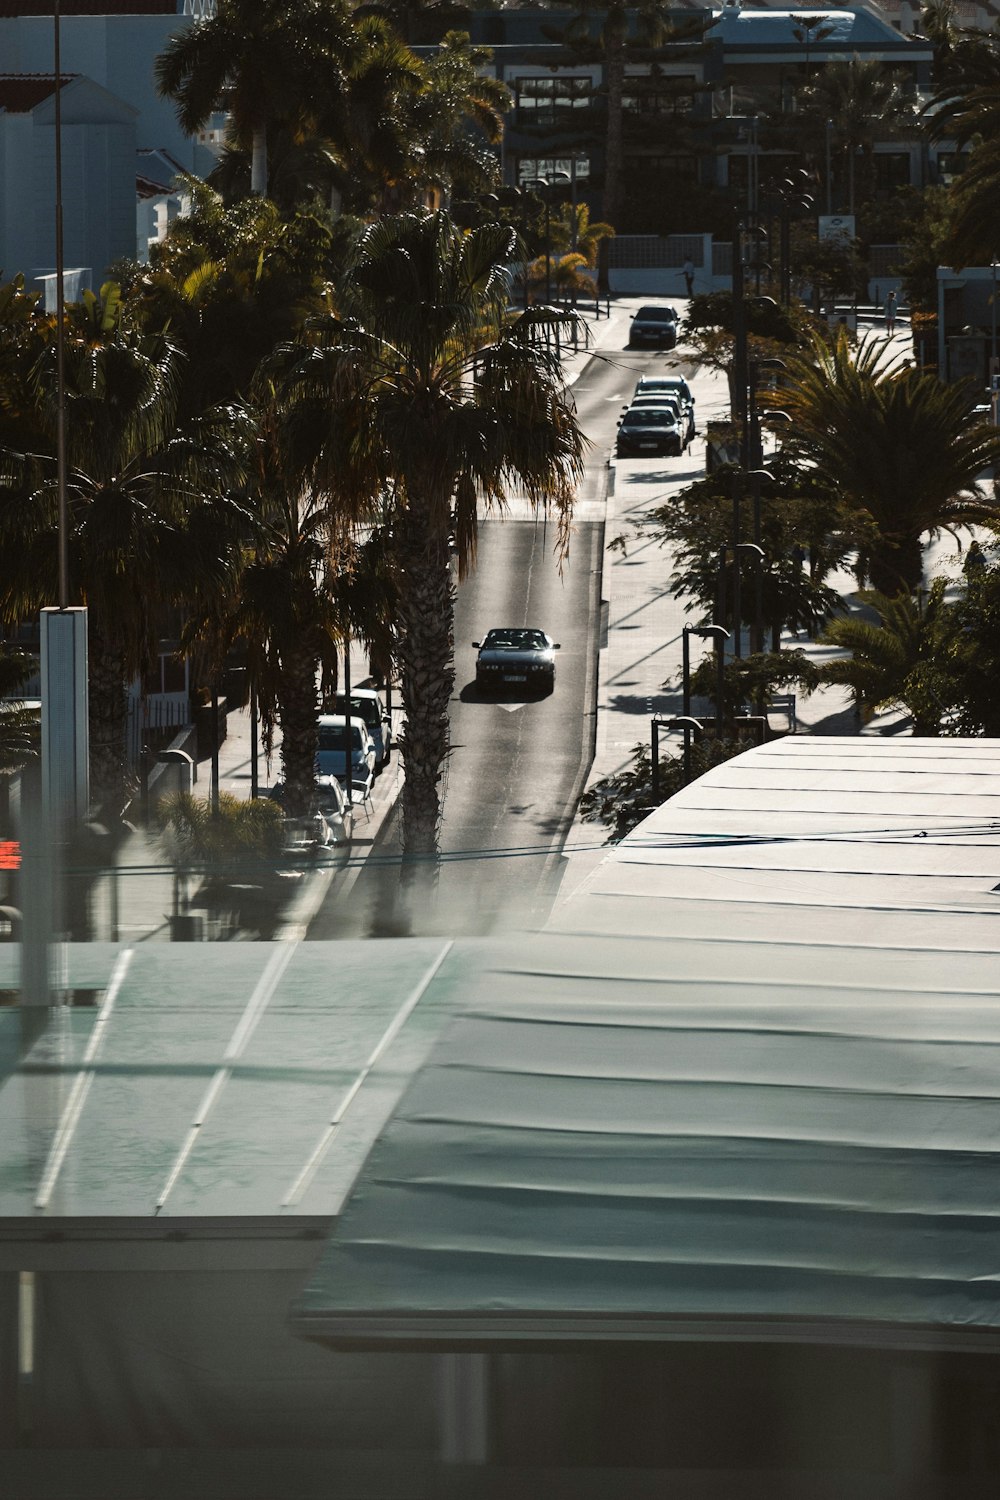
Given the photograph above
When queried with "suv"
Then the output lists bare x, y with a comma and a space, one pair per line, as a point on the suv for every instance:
653, 325
367, 704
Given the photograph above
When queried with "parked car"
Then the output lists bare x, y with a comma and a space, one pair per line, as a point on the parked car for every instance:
328, 825
516, 656
330, 753
653, 325
648, 430
665, 404
674, 386
366, 703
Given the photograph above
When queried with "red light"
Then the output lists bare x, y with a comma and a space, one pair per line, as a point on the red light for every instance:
10, 854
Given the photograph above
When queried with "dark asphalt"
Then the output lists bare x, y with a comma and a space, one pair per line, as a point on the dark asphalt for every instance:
516, 768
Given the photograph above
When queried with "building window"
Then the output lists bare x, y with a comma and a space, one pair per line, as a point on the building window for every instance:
660, 97
529, 167
892, 170
668, 164
949, 164
549, 98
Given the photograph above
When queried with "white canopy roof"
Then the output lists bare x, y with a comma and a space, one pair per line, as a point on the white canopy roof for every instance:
749, 1090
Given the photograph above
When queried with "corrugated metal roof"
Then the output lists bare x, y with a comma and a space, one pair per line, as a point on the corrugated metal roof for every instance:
748, 1090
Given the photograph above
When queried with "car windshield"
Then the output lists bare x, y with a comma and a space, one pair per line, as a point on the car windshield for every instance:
515, 640
361, 708
657, 314
331, 737
650, 417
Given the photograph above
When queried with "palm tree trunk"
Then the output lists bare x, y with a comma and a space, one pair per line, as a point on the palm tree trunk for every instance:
615, 35
897, 566
258, 163
426, 655
297, 714
107, 713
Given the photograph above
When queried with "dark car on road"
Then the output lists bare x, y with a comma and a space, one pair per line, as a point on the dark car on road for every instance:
653, 326
649, 430
517, 657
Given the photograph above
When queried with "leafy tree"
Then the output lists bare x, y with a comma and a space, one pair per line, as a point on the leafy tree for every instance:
621, 801
772, 330
798, 516
266, 61
146, 503
752, 679
899, 660
926, 246
971, 665
436, 403
229, 284
965, 108
903, 450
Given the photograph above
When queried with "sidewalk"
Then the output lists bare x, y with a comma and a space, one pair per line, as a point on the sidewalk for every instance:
639, 672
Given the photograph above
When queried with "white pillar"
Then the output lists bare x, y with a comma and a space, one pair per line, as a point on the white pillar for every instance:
65, 744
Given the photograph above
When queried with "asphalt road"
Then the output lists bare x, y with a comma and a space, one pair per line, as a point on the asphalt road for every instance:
516, 768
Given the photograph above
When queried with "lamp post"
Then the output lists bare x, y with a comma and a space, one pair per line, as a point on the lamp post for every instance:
546, 184
829, 167
739, 495
719, 634
752, 550
994, 263
756, 476
687, 724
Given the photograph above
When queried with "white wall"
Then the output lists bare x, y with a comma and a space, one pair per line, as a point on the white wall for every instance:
118, 52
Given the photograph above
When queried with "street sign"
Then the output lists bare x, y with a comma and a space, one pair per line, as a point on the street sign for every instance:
836, 226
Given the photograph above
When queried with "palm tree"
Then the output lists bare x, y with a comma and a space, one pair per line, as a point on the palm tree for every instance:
865, 103
437, 403
902, 450
145, 501
20, 725
231, 282
305, 584
458, 115
574, 231
900, 660
266, 61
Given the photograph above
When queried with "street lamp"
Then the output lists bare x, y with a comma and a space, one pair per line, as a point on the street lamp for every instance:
687, 724
993, 343
718, 634
751, 549
755, 476
545, 185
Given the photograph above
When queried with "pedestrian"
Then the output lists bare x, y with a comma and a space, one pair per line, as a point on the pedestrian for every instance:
689, 276
890, 313
975, 560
